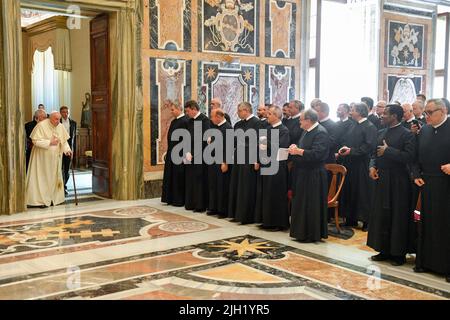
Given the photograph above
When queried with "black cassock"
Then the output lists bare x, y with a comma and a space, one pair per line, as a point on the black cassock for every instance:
29, 126
242, 198
197, 174
219, 182
333, 130
342, 133
173, 181
355, 199
295, 132
376, 121
391, 218
272, 202
310, 189
434, 242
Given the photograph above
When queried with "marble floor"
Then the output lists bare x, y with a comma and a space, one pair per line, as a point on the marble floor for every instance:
104, 249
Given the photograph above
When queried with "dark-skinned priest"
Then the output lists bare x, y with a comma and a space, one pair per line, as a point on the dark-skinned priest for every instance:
196, 169
359, 144
310, 187
242, 199
391, 213
173, 181
219, 172
272, 202
432, 174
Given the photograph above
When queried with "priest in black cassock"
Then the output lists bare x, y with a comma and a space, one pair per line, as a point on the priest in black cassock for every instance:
432, 173
359, 144
418, 108
391, 215
286, 114
219, 173
196, 191
174, 175
323, 111
295, 131
377, 113
272, 202
343, 125
310, 187
216, 103
408, 116
242, 199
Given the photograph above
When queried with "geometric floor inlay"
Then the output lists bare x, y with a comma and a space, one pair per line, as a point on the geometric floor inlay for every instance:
243, 267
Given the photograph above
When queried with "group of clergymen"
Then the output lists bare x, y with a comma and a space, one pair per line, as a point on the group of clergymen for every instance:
393, 153
50, 141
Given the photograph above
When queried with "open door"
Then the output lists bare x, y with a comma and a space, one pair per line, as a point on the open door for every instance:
101, 106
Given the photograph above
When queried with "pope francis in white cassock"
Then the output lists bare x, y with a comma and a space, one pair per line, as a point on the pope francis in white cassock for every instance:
45, 184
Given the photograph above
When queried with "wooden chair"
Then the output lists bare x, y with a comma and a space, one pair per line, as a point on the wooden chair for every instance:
334, 191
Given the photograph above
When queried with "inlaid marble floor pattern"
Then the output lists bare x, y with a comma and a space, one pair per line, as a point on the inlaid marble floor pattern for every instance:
146, 250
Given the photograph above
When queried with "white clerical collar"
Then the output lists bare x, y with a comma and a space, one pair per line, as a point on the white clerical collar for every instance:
440, 124
323, 120
296, 116
395, 125
362, 120
249, 117
196, 116
345, 119
312, 127
276, 124
223, 121
263, 119
411, 119
180, 116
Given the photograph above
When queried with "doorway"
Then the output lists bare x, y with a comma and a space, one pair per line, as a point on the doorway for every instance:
86, 34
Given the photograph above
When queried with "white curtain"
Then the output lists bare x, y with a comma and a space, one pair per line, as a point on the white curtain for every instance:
49, 86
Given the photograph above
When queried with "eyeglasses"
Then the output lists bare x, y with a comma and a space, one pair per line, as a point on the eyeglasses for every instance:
430, 112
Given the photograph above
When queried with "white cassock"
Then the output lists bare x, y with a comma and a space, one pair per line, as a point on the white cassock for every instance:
44, 179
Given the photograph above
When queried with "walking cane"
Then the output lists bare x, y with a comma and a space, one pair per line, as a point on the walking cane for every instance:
73, 179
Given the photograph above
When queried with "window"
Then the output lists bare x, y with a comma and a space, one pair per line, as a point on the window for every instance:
49, 86
441, 87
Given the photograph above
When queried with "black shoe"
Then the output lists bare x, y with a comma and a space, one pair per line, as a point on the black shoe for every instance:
398, 261
66, 193
234, 220
419, 269
447, 278
200, 210
380, 257
43, 206
365, 227
211, 213
222, 216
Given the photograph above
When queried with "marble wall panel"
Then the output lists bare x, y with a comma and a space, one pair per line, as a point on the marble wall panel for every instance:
232, 83
229, 26
280, 84
170, 24
280, 29
170, 79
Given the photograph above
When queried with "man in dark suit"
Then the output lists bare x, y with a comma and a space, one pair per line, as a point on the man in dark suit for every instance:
71, 128
39, 115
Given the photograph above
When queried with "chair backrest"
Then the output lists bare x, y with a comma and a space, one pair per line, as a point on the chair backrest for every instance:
335, 170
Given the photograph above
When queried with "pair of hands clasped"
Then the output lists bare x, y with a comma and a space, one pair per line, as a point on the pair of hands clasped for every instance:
294, 150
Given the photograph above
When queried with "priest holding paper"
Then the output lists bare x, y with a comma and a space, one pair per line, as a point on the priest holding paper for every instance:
44, 184
272, 202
